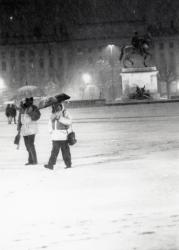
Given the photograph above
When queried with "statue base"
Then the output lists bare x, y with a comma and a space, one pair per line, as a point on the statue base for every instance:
133, 77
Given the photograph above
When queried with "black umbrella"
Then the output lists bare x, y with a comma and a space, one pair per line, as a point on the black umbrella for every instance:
49, 101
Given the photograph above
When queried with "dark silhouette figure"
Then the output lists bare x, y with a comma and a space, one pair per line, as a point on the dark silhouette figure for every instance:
11, 113
135, 40
139, 45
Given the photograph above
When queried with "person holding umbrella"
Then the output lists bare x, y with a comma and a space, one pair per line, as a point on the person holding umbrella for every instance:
59, 124
27, 124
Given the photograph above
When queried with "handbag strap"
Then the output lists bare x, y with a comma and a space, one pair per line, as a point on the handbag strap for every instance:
71, 129
63, 112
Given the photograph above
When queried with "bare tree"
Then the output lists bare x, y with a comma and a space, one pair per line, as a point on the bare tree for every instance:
168, 76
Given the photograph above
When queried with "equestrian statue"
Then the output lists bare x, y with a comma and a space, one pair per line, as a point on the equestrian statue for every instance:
139, 46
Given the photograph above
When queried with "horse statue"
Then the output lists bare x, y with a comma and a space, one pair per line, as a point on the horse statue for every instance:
140, 46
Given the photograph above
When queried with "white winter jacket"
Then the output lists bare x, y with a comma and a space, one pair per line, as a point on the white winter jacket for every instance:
29, 127
59, 125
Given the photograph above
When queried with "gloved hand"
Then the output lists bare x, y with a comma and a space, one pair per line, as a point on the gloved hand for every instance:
53, 117
58, 115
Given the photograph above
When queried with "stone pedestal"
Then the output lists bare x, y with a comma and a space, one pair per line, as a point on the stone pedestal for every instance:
132, 77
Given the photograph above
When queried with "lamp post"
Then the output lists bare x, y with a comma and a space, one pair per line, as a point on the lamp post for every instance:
111, 62
86, 78
2, 89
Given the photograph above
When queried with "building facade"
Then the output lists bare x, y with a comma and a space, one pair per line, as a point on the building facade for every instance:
86, 65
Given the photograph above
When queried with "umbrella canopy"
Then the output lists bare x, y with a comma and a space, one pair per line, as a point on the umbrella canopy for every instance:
28, 91
48, 101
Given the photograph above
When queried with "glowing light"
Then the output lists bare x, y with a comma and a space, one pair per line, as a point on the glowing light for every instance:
86, 78
111, 46
2, 84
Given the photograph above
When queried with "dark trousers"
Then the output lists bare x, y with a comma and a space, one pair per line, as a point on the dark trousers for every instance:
29, 143
56, 146
10, 118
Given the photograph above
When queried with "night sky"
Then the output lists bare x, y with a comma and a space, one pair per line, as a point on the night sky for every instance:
37, 17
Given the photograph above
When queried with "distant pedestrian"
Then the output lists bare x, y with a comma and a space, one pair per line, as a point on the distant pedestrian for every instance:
27, 124
59, 124
11, 113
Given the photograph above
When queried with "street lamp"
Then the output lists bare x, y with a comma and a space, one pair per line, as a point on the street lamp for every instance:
2, 85
111, 46
2, 90
111, 61
86, 78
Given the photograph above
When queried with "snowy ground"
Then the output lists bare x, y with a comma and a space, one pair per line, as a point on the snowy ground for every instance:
121, 194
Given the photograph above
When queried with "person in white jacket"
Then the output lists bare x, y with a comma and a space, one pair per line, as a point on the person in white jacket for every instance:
27, 125
59, 126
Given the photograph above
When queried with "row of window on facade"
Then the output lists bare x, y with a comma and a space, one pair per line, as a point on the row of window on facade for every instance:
30, 53
31, 64
33, 54
163, 45
160, 45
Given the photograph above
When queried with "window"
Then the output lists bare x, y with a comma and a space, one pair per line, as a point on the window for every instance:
22, 53
100, 48
3, 66
162, 63
31, 53
172, 65
13, 65
60, 61
89, 50
3, 54
79, 51
41, 52
41, 63
51, 62
32, 65
22, 56
171, 45
12, 53
161, 46
90, 60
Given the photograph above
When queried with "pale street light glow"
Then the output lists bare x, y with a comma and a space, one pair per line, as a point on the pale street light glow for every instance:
2, 84
86, 78
111, 46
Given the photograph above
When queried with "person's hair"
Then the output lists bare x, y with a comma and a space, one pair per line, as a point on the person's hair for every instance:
56, 106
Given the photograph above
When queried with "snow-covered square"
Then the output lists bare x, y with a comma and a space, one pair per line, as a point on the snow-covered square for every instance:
122, 192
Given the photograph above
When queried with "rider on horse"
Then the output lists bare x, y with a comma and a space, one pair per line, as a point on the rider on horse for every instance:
141, 44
